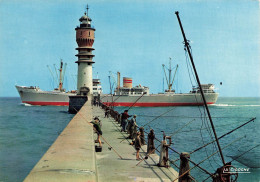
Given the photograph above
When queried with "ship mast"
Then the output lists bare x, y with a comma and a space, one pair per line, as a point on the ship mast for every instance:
60, 79
187, 46
118, 81
170, 69
170, 74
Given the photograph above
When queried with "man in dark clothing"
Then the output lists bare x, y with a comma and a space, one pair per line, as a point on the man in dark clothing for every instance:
137, 145
107, 113
124, 120
132, 125
150, 146
141, 129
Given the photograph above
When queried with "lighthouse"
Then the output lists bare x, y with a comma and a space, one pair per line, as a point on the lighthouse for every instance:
85, 36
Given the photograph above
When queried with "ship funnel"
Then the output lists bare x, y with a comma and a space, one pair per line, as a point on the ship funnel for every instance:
127, 82
118, 80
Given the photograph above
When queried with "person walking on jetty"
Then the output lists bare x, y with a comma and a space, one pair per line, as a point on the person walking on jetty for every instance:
97, 127
137, 145
125, 116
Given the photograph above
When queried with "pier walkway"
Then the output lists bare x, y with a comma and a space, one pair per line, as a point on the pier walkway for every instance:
72, 156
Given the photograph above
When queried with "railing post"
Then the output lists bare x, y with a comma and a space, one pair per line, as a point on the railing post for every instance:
184, 166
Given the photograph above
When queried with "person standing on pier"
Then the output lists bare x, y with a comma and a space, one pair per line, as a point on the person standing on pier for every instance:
107, 113
96, 124
137, 145
150, 146
132, 124
125, 116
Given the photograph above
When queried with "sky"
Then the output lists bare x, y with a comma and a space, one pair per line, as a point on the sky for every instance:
134, 37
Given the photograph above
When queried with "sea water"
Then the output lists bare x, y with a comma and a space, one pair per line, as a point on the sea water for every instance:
191, 129
26, 133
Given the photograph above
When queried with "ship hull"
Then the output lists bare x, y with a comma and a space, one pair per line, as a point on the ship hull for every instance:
35, 96
159, 100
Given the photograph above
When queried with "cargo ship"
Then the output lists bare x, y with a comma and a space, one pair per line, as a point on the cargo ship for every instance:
127, 95
139, 96
58, 97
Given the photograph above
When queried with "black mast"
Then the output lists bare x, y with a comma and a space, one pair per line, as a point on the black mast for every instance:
202, 94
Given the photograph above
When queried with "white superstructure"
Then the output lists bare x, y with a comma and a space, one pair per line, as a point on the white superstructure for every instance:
97, 89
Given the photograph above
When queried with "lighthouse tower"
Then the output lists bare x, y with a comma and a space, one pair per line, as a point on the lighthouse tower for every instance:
85, 36
85, 39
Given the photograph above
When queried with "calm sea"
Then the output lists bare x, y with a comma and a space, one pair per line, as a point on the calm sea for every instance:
26, 132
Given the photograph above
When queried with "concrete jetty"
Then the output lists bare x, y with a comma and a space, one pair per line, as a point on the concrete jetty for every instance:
72, 156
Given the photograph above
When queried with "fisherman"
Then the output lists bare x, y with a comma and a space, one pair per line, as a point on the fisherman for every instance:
128, 126
107, 113
125, 116
150, 146
99, 121
131, 126
97, 127
117, 116
120, 119
141, 129
137, 145
134, 132
96, 102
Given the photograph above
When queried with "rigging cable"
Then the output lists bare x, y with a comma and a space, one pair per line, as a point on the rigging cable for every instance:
181, 128
209, 157
203, 114
54, 80
136, 101
115, 100
198, 81
188, 116
245, 152
159, 116
206, 151
207, 125
206, 128
223, 135
203, 121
